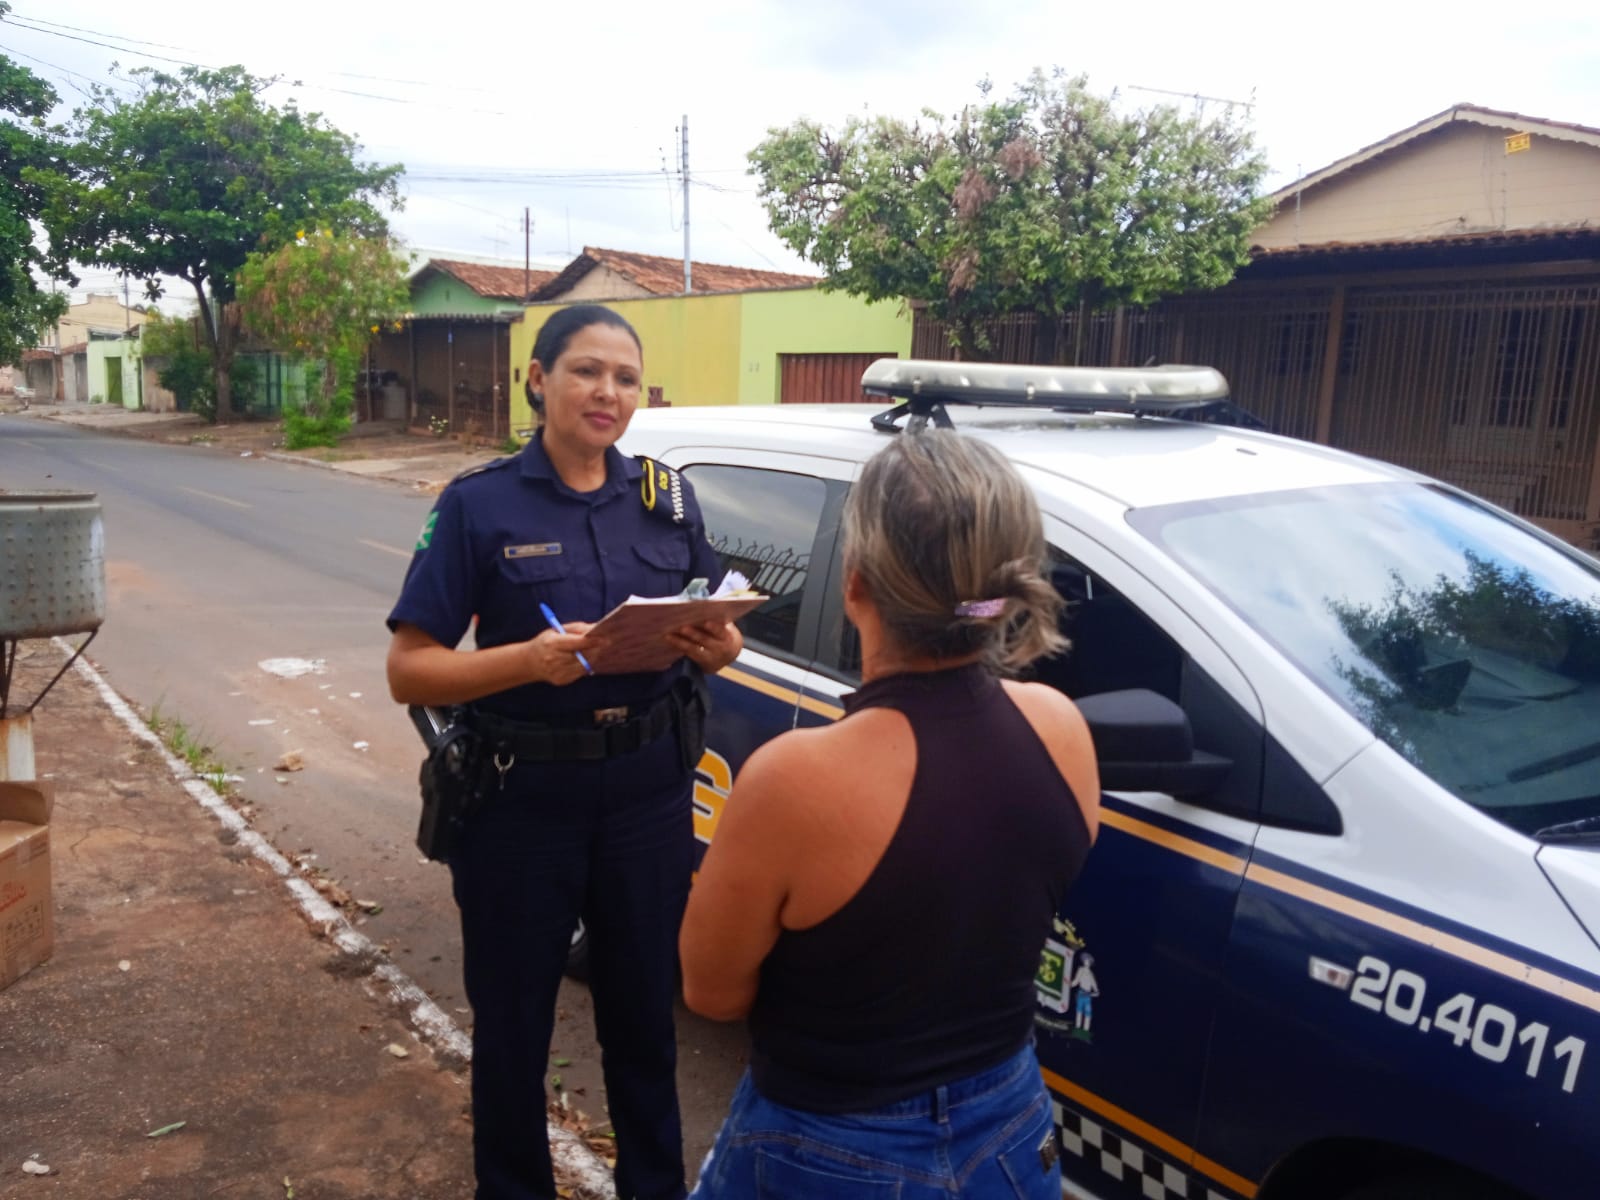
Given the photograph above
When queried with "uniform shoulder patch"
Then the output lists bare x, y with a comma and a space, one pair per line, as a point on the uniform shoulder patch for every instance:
661, 490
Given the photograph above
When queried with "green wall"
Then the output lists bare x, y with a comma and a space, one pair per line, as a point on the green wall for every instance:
435, 294
810, 321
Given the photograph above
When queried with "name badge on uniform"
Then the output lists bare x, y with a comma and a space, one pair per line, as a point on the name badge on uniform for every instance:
533, 550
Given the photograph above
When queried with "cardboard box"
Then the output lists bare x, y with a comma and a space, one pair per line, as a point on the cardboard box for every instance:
27, 933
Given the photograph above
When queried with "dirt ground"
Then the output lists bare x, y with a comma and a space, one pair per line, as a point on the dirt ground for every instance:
192, 1036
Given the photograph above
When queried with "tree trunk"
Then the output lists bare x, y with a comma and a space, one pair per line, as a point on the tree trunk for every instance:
1080, 331
1046, 331
221, 341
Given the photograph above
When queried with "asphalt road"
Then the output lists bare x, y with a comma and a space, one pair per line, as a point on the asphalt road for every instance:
216, 564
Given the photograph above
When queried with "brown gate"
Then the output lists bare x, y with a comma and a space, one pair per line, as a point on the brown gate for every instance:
823, 378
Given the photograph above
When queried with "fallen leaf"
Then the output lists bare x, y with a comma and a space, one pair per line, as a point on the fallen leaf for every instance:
166, 1129
396, 1049
290, 761
561, 1062
369, 906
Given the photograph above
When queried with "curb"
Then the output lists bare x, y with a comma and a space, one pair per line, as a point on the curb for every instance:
430, 1024
280, 456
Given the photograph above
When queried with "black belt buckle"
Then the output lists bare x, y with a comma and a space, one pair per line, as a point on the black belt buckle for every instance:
611, 716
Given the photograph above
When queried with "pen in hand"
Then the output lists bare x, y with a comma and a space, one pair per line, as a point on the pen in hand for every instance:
555, 624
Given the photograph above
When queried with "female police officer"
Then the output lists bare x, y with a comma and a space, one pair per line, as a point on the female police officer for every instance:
587, 810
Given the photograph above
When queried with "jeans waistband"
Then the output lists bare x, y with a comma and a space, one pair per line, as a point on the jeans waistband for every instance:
937, 1101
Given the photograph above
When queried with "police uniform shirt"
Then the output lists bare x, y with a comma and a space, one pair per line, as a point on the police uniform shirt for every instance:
510, 535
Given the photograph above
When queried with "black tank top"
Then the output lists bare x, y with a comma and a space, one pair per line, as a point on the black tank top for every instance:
925, 975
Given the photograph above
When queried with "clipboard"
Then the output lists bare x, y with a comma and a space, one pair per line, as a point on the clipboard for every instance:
631, 637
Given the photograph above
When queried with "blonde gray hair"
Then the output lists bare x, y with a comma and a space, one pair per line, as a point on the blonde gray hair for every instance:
938, 520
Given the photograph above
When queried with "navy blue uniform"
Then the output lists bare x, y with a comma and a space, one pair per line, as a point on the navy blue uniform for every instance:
608, 839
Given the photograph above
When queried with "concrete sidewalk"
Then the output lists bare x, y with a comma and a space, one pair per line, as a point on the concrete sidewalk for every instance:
208, 1025
422, 464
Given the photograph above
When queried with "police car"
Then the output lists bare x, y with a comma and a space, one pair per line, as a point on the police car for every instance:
1338, 936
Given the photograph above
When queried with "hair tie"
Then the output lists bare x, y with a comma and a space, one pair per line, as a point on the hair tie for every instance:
981, 608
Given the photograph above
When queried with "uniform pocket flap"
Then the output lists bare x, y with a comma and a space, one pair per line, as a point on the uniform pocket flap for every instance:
665, 556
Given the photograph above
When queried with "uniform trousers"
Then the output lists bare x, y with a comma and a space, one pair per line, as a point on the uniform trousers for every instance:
610, 841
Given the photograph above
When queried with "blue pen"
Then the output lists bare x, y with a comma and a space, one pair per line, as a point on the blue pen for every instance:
556, 625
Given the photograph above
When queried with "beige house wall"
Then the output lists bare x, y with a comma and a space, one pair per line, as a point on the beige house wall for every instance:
1458, 179
601, 283
102, 311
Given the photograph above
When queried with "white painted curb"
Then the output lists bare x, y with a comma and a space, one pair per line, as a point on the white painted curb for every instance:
431, 1024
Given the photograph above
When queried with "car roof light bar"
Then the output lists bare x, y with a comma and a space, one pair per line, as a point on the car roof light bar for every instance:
926, 386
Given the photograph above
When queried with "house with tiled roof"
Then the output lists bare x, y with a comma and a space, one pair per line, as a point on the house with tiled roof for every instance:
1432, 299
599, 274
453, 287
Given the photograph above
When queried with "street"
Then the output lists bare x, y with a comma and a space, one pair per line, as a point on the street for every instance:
216, 564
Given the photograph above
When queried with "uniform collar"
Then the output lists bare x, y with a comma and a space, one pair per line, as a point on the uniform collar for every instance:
622, 470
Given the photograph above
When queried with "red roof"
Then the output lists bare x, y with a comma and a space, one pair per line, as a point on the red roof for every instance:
38, 354
493, 283
1480, 237
662, 276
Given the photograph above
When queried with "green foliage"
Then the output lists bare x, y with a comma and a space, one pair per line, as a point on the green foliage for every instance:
26, 157
325, 416
1049, 201
322, 294
186, 371
194, 172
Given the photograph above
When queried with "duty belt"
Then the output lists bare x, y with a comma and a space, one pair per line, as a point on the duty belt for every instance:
610, 732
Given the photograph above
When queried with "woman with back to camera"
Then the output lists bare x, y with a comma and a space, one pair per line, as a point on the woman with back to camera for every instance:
879, 889
587, 813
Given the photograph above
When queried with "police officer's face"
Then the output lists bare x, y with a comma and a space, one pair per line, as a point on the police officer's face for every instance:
592, 388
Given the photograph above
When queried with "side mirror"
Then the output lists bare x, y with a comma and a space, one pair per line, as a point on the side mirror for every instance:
1144, 744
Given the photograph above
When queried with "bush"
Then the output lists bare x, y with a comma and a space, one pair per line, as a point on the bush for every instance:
325, 416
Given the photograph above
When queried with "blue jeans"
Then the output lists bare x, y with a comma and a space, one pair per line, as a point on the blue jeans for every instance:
989, 1136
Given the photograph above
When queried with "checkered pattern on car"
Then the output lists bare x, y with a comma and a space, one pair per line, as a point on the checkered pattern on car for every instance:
1131, 1165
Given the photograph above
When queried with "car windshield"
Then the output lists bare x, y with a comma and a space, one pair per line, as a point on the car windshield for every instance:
1468, 645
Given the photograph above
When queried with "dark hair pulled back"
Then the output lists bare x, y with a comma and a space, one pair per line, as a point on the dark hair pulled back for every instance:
556, 333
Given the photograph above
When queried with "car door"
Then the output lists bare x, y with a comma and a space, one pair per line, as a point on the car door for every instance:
773, 517
1130, 979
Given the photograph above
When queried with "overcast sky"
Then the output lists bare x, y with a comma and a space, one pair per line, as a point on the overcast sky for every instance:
488, 104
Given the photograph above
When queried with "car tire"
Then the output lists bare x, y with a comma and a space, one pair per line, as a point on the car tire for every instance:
578, 954
1428, 1185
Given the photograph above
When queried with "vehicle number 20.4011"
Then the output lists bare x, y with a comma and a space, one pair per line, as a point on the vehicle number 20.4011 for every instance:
1492, 1031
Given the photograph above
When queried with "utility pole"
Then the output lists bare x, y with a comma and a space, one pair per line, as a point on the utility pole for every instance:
688, 271
527, 242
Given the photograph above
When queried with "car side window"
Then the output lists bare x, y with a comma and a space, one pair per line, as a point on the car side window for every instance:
1114, 646
763, 524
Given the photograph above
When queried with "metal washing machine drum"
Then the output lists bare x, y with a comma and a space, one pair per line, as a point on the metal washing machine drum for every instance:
52, 564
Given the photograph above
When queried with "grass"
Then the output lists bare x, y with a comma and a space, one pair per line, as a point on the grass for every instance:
190, 746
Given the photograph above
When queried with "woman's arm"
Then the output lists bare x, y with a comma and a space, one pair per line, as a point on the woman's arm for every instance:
422, 670
733, 919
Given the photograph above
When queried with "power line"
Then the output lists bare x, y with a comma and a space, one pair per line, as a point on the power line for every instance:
183, 62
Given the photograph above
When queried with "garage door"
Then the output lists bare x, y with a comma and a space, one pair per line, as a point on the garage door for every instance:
823, 378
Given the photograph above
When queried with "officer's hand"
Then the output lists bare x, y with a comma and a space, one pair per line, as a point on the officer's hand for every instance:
554, 656
711, 645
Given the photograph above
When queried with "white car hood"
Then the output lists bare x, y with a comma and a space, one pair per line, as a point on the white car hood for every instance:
1574, 871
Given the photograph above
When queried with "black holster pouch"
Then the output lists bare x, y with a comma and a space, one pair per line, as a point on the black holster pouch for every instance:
451, 780
694, 705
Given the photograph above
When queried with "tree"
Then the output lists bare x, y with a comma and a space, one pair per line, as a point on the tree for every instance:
26, 310
1051, 201
323, 296
196, 171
